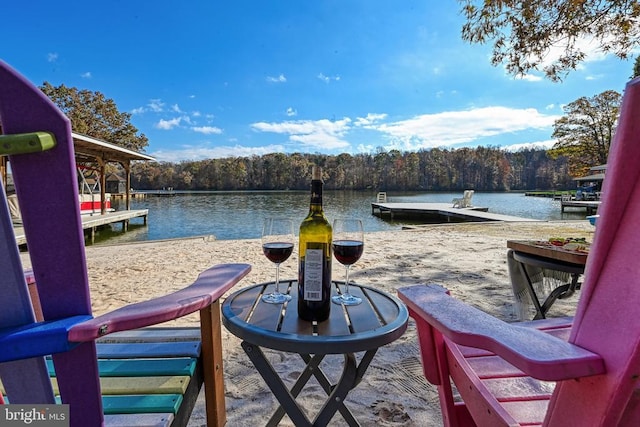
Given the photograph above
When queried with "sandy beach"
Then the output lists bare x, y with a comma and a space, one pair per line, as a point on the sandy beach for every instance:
469, 259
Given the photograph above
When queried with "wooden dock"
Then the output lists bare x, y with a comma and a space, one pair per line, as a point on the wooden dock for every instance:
133, 195
92, 222
159, 193
590, 205
440, 212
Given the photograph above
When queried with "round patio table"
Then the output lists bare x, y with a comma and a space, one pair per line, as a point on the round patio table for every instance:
378, 320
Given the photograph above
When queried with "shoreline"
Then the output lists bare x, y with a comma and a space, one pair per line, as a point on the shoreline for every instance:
469, 259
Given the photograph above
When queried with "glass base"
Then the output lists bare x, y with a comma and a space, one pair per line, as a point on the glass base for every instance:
276, 298
346, 299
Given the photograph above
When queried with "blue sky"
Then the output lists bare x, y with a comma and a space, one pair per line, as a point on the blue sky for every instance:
206, 79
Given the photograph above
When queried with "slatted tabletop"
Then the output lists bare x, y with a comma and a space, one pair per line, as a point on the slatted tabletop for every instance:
547, 250
379, 320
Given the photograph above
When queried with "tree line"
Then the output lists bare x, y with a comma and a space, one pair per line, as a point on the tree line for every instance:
481, 169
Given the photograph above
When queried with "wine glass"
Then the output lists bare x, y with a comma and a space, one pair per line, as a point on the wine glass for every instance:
348, 245
277, 245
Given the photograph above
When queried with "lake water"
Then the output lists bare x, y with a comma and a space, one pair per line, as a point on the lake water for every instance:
239, 215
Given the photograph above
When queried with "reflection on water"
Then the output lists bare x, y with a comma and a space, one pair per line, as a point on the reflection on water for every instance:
239, 215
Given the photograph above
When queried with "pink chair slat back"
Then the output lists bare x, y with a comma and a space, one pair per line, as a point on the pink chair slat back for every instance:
608, 318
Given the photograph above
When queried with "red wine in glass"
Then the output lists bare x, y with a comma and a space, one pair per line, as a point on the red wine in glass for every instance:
347, 252
277, 245
277, 251
348, 245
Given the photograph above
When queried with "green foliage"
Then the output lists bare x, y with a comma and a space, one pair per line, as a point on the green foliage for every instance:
524, 32
482, 169
636, 68
92, 114
585, 132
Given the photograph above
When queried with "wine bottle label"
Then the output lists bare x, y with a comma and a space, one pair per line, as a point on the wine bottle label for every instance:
313, 274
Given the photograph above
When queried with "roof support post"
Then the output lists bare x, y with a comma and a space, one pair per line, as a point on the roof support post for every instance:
103, 183
127, 172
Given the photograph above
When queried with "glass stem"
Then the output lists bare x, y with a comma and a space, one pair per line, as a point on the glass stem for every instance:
346, 281
277, 278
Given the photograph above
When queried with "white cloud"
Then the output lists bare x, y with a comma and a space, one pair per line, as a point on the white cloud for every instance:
327, 79
425, 131
52, 57
320, 140
86, 75
319, 134
460, 127
207, 130
168, 124
590, 46
530, 78
369, 120
280, 79
156, 105
545, 145
365, 148
189, 152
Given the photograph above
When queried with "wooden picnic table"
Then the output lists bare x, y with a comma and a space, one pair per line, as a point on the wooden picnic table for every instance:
547, 250
545, 255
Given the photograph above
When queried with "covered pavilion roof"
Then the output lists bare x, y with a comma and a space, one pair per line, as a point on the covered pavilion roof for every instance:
594, 177
88, 148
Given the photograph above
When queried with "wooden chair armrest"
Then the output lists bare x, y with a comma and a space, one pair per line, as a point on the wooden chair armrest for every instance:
210, 285
536, 353
37, 339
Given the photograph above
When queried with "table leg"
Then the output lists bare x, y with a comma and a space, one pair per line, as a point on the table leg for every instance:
561, 292
532, 293
338, 393
311, 368
328, 388
276, 385
352, 374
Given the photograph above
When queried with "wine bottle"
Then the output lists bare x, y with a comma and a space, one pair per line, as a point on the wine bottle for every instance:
314, 272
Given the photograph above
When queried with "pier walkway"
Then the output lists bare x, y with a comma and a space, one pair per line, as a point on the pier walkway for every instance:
440, 212
590, 205
92, 222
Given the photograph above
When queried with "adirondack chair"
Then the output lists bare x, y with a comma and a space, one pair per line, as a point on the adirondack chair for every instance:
37, 138
556, 372
464, 201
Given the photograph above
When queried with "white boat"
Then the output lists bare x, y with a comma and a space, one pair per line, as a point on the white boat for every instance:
90, 204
